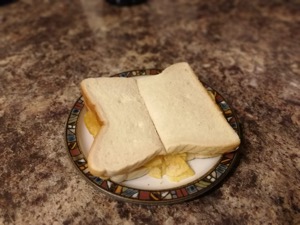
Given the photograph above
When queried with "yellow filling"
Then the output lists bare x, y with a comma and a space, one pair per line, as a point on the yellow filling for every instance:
175, 167
92, 123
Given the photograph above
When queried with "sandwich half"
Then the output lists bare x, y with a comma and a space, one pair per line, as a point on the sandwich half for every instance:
127, 138
184, 114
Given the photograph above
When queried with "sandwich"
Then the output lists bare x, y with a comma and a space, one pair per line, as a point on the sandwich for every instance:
153, 125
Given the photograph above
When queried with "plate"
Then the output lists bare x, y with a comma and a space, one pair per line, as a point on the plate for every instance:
147, 190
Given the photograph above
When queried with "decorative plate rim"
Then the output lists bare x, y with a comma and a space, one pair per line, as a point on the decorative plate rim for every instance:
198, 187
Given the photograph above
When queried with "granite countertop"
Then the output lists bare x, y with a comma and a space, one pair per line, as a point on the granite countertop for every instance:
248, 50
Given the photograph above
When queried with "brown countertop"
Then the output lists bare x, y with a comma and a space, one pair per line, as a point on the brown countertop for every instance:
248, 50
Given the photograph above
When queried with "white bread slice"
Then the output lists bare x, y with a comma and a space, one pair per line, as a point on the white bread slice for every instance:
184, 115
127, 138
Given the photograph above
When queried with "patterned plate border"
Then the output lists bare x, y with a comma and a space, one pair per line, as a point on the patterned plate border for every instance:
179, 194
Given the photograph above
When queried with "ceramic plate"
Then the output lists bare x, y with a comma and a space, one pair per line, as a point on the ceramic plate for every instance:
147, 190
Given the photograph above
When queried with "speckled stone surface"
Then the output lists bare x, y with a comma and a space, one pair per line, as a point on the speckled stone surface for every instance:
247, 50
